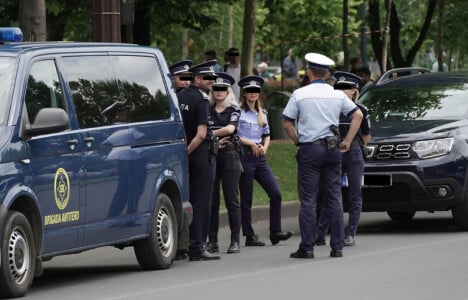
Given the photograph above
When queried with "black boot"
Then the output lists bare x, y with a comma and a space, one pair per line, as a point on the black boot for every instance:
280, 236
234, 247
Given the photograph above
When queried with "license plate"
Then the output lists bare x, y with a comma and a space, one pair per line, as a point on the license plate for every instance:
377, 179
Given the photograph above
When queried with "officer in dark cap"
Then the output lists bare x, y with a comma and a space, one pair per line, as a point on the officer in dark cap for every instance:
180, 74
352, 161
316, 108
254, 133
194, 107
224, 113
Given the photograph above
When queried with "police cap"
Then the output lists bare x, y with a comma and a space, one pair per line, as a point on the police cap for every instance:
318, 61
251, 81
180, 67
205, 68
346, 80
223, 79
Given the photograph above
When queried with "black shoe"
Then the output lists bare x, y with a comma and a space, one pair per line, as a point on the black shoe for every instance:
336, 253
204, 256
320, 241
233, 248
302, 254
212, 247
349, 240
253, 241
280, 236
181, 254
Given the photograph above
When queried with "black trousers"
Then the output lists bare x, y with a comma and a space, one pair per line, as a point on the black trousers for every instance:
202, 167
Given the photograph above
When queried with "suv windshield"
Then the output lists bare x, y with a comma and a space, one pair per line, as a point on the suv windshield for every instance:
434, 102
7, 76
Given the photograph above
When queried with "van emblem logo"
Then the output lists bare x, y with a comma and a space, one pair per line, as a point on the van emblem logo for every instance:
61, 188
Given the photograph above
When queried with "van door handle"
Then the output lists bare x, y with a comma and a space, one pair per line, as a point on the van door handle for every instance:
89, 141
72, 143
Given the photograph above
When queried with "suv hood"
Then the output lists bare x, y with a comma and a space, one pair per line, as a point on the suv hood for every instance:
411, 130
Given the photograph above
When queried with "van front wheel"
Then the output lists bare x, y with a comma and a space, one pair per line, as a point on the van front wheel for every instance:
18, 258
159, 249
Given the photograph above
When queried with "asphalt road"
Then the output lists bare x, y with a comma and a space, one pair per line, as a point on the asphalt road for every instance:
422, 259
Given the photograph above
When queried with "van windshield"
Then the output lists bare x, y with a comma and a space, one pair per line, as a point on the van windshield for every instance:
7, 77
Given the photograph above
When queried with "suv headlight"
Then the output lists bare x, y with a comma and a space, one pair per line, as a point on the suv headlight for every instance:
433, 148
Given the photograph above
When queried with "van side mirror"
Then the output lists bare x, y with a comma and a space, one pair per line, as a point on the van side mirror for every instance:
48, 120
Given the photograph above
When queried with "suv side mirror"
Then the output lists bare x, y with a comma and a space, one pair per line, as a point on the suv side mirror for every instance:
48, 120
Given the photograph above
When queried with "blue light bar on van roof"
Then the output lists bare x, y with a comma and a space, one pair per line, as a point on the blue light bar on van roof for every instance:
10, 34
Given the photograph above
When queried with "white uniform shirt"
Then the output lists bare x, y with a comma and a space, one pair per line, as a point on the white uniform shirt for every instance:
316, 107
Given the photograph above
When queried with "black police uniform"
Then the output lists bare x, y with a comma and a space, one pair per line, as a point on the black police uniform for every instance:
194, 107
228, 172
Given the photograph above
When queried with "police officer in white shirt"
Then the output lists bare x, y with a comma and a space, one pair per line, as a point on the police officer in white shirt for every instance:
317, 107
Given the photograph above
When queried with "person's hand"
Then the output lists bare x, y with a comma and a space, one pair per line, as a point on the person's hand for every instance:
223, 142
344, 146
262, 149
255, 150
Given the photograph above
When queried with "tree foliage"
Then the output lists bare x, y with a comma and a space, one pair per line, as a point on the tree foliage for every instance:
303, 25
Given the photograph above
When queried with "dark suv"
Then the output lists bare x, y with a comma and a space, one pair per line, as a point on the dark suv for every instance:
417, 157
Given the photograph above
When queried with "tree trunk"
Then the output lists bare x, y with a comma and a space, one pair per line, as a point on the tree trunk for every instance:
374, 26
142, 24
32, 19
385, 36
248, 37
440, 34
345, 37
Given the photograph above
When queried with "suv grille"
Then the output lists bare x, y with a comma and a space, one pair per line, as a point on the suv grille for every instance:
393, 151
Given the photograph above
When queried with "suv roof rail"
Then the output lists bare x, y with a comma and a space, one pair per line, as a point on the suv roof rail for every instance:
401, 72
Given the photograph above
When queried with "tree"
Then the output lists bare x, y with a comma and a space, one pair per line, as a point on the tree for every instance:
396, 51
248, 37
32, 19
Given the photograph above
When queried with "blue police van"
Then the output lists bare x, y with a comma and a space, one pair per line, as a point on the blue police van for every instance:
92, 154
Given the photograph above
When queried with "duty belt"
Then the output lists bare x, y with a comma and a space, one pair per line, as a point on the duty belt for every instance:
316, 142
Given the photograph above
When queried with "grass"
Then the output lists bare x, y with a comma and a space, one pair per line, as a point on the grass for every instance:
282, 160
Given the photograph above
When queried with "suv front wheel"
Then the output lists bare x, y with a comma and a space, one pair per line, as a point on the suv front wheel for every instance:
460, 214
400, 215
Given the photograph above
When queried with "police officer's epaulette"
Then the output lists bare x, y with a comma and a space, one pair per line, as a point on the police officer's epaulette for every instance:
362, 106
204, 95
235, 107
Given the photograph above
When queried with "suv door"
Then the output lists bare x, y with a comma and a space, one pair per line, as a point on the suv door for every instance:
56, 161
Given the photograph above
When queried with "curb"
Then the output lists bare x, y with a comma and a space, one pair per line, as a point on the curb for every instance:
261, 213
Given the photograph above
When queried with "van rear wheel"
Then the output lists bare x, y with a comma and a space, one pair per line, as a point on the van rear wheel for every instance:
159, 249
18, 258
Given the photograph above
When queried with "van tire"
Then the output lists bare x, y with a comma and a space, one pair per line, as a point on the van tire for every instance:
18, 256
158, 250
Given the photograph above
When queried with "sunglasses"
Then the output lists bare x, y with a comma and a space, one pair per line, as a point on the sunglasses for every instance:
185, 78
220, 88
209, 77
252, 90
234, 54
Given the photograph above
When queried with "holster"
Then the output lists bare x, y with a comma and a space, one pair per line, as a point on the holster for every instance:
333, 141
214, 144
238, 145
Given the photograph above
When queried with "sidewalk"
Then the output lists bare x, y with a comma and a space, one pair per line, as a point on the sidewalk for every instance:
261, 213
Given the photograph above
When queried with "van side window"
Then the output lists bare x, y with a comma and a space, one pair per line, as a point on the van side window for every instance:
43, 89
141, 87
93, 92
